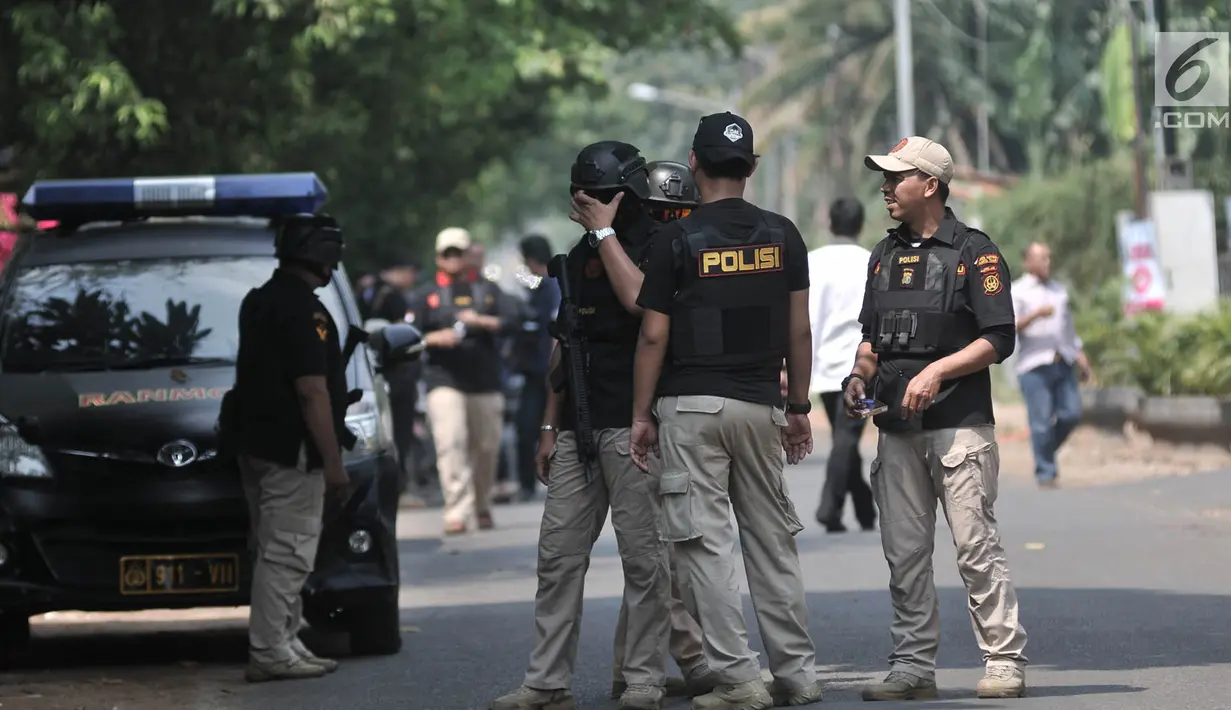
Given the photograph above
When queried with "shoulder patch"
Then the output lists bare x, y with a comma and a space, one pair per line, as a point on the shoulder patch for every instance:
433, 300
987, 259
321, 322
992, 284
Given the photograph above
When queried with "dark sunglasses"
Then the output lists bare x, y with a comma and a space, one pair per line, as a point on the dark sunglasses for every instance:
451, 253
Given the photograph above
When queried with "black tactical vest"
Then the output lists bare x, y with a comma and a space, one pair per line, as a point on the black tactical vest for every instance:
914, 295
602, 316
733, 304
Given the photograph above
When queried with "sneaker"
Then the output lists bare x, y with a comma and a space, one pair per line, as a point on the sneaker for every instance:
642, 697
672, 687
793, 698
1002, 682
899, 685
308, 657
749, 695
533, 699
294, 668
698, 681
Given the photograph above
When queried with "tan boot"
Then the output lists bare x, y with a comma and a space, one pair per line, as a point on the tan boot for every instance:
749, 695
642, 697
1002, 682
899, 685
302, 651
533, 699
785, 698
699, 681
294, 668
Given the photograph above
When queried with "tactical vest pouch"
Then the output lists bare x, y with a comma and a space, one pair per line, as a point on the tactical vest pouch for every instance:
927, 333
711, 332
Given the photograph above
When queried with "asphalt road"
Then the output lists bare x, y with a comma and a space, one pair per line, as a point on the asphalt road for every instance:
1125, 591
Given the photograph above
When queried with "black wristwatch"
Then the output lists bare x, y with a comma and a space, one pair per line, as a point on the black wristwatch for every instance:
801, 408
847, 381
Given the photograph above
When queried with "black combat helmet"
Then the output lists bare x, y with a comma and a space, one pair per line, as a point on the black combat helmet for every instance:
605, 168
314, 238
673, 192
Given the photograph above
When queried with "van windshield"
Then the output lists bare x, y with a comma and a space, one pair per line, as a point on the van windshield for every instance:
131, 314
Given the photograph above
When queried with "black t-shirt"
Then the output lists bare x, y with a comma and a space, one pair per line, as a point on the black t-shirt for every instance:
474, 366
983, 284
736, 219
610, 329
285, 333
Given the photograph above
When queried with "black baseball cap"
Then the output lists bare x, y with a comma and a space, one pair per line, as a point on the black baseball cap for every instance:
724, 136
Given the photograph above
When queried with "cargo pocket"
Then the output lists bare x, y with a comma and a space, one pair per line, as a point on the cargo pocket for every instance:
972, 474
292, 550
699, 404
787, 506
675, 515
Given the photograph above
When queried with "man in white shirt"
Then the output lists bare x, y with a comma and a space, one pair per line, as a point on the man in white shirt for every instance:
1049, 360
837, 272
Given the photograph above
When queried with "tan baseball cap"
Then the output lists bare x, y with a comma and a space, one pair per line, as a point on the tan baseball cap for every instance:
452, 238
915, 153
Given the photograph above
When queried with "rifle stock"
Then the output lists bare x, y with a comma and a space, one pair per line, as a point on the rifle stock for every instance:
575, 356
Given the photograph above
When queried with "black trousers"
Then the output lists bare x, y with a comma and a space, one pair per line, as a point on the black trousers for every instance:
529, 419
403, 405
844, 469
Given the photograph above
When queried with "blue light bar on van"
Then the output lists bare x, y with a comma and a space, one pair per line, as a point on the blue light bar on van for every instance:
104, 200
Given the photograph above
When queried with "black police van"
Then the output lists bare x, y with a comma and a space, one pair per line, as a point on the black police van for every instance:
118, 337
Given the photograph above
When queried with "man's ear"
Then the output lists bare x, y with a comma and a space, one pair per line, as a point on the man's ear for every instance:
756, 163
692, 160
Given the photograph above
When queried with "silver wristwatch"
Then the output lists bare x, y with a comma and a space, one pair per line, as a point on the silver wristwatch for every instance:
547, 427
596, 236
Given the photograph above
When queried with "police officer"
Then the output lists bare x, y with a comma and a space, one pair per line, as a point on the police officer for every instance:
673, 194
609, 181
937, 314
290, 408
728, 287
463, 318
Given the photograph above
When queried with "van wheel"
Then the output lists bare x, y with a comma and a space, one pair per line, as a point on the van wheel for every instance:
14, 638
376, 630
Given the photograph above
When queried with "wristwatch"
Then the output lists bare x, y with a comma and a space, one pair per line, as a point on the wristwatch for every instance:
547, 427
596, 236
799, 408
846, 382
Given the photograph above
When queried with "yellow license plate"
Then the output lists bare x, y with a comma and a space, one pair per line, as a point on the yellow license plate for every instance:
179, 574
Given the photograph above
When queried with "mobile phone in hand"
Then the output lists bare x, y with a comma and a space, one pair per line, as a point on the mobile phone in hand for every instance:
870, 408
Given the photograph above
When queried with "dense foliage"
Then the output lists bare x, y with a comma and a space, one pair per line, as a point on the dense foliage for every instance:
398, 105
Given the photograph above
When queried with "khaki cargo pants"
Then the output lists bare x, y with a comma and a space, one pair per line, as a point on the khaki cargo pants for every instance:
466, 430
573, 517
285, 509
959, 467
685, 641
721, 454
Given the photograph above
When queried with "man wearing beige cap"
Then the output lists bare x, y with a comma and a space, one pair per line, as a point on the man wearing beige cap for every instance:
462, 318
937, 314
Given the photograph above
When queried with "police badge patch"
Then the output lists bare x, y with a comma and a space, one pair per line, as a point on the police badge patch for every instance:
908, 277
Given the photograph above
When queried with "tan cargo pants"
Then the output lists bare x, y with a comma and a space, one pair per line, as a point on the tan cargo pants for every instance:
960, 467
721, 454
573, 517
685, 641
285, 508
466, 430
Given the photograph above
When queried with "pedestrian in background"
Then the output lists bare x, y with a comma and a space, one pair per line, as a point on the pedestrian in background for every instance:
836, 274
1050, 361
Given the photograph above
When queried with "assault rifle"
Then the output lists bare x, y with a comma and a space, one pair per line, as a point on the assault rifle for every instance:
575, 357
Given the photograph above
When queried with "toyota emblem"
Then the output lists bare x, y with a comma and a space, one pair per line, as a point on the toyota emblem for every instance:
177, 454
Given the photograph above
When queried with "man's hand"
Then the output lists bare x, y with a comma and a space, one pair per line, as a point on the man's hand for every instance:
447, 338
1045, 311
797, 438
1085, 373
853, 397
542, 459
338, 483
643, 441
921, 391
469, 317
592, 214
